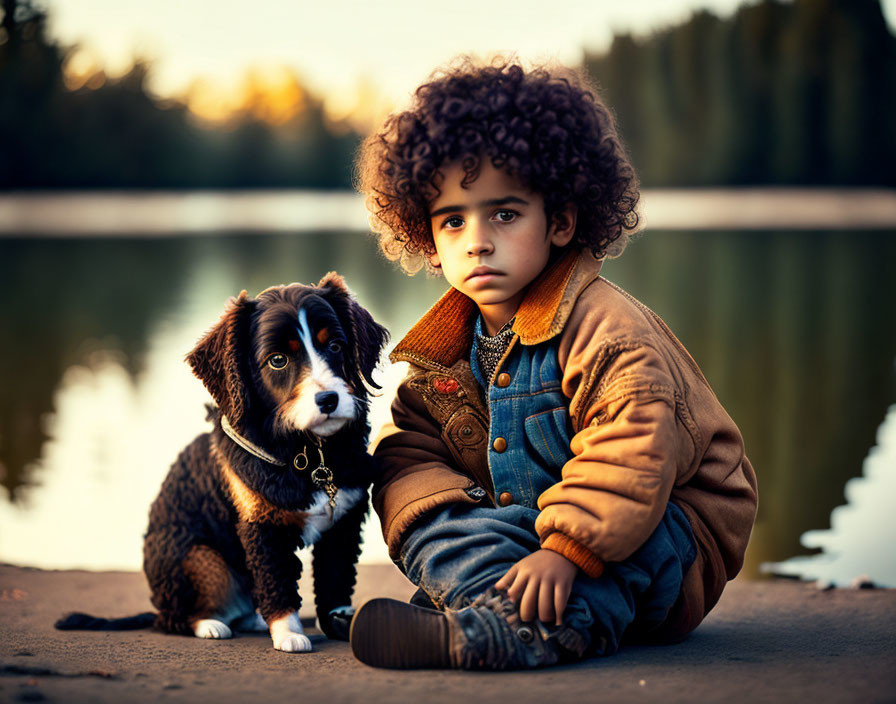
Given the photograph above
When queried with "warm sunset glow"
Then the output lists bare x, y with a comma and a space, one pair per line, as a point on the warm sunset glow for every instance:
352, 56
359, 59
273, 95
82, 69
363, 107
211, 101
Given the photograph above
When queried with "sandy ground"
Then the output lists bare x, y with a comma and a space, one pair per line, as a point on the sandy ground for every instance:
772, 641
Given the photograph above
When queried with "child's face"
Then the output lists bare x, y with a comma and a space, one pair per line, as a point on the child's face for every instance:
493, 239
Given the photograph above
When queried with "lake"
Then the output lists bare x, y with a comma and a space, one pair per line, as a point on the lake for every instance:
794, 330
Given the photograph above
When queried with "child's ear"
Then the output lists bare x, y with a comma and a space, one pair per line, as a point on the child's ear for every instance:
434, 260
563, 225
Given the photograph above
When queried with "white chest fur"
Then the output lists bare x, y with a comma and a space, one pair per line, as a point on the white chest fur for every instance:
321, 517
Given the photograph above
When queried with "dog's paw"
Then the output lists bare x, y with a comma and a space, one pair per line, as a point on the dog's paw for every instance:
211, 628
252, 623
293, 643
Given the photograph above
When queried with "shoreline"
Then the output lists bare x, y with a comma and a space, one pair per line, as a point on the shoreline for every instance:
54, 214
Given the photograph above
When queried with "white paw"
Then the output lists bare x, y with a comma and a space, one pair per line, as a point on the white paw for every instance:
287, 634
211, 628
293, 643
252, 623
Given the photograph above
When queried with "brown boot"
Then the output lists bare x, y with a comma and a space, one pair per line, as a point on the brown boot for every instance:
487, 635
390, 633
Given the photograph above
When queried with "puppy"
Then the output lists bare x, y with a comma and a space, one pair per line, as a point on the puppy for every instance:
286, 466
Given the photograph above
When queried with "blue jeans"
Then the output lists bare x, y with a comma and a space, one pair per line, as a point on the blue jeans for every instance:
458, 552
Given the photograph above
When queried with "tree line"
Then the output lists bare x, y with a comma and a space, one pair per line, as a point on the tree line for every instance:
119, 136
800, 92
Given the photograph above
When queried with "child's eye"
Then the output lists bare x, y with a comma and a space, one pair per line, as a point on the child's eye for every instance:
505, 215
453, 222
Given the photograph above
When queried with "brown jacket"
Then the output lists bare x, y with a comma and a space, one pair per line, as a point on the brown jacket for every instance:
648, 429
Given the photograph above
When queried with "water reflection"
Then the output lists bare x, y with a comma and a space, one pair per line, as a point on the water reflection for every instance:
793, 329
794, 332
96, 401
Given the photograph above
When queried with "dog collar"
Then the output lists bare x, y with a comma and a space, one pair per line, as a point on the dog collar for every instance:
248, 446
322, 476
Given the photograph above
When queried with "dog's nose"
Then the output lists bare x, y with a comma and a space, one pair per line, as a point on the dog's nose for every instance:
326, 401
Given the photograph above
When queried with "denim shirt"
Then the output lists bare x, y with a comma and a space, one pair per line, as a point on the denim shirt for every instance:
530, 415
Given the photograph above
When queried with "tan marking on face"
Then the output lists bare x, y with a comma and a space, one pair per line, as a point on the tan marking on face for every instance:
307, 385
286, 395
294, 345
304, 390
251, 506
323, 335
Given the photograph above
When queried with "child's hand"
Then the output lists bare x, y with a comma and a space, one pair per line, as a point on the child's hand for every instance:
540, 584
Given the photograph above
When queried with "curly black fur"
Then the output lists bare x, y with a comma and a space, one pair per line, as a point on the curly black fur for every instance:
196, 507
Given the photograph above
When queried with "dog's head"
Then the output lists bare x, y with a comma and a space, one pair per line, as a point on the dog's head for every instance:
297, 358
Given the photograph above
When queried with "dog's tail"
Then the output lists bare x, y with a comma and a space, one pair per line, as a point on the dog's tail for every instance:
85, 622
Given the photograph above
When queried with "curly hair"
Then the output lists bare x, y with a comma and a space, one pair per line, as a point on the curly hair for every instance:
546, 127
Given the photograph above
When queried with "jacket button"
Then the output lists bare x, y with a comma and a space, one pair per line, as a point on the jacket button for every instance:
503, 379
500, 444
506, 498
476, 493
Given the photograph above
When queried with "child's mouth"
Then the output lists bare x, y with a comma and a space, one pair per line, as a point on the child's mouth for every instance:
483, 274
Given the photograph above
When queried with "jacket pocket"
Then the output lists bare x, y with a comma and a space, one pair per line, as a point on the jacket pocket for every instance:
548, 435
466, 436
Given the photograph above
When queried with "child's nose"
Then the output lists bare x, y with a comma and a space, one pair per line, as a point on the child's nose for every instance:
478, 243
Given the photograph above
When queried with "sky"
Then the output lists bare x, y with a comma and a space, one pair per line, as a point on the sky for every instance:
341, 48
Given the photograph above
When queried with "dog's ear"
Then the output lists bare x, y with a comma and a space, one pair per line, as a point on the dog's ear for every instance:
217, 358
367, 336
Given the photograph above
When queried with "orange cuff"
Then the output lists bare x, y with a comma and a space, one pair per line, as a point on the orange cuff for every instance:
575, 552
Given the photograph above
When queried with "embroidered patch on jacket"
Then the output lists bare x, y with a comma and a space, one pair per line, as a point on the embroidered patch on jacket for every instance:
445, 385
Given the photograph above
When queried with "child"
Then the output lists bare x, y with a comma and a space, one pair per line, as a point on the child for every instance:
558, 475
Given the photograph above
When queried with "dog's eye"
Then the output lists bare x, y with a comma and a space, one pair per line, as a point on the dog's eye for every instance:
278, 361
334, 347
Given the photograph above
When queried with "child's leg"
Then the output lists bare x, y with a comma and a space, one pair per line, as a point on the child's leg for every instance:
638, 592
464, 550
460, 552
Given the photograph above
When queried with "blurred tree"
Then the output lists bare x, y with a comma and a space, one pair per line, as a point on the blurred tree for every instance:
30, 71
103, 133
801, 92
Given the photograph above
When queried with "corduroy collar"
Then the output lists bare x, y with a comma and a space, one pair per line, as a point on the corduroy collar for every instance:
445, 332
